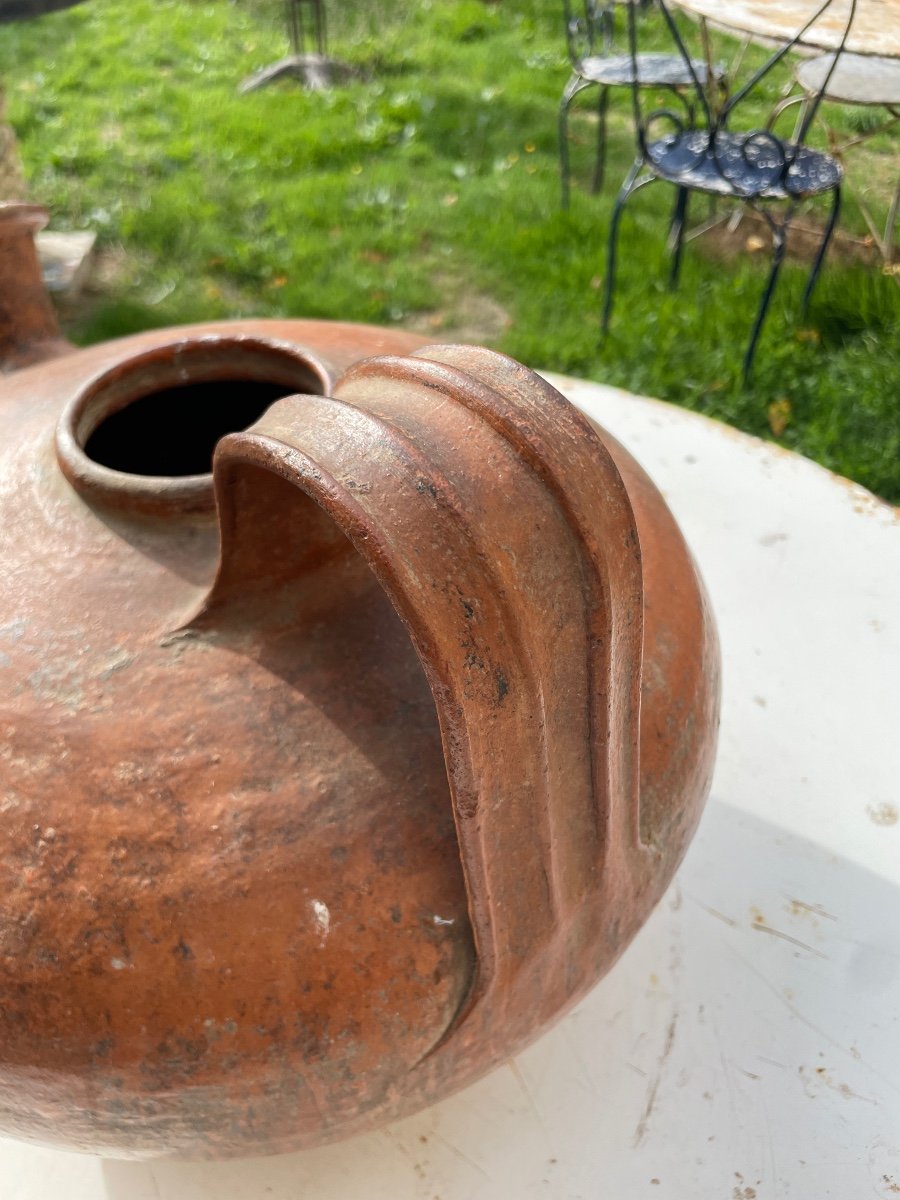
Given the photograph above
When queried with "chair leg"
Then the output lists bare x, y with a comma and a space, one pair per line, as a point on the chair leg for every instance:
820, 257
564, 152
887, 246
631, 184
787, 101
676, 234
779, 238
600, 163
575, 85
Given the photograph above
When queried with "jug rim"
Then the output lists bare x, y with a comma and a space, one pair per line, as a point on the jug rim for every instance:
179, 363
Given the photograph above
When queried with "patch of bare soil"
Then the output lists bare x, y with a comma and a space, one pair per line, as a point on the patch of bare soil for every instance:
466, 316
725, 242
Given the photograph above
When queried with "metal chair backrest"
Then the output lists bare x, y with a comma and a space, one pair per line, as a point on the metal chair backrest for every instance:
590, 26
778, 153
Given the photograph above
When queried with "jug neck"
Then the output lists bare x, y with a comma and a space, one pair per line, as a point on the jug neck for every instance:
29, 332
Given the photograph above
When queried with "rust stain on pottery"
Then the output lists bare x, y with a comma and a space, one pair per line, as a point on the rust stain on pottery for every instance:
332, 775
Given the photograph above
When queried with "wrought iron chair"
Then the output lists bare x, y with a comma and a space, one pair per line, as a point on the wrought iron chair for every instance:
590, 38
755, 166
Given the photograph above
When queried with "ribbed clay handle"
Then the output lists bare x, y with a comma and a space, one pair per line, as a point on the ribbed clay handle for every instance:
499, 527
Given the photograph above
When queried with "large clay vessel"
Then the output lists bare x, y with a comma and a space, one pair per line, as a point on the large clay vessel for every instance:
329, 779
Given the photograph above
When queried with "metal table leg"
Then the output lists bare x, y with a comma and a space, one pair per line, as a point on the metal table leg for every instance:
313, 68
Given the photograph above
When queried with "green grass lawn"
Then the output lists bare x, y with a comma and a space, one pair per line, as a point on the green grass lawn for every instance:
426, 193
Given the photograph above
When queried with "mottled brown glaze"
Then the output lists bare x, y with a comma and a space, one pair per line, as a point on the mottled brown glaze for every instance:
326, 784
29, 332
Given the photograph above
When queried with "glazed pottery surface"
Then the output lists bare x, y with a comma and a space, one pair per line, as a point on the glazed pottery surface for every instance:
328, 780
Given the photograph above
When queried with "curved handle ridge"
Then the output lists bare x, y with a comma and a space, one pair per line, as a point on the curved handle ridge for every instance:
500, 528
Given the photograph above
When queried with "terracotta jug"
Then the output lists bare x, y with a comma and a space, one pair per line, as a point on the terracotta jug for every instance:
29, 332
329, 778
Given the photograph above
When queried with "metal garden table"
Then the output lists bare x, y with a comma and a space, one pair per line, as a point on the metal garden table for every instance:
307, 25
875, 30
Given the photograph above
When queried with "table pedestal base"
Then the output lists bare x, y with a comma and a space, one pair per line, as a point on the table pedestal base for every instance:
315, 71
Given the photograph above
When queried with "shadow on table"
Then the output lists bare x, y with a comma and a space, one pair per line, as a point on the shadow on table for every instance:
741, 1043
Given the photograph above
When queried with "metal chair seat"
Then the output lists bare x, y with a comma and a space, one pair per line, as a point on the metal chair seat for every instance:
586, 35
750, 166
754, 166
653, 70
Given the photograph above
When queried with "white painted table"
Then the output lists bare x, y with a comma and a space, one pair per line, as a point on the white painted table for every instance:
875, 29
748, 1043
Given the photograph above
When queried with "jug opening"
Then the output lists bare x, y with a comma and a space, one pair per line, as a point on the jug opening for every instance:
174, 431
141, 435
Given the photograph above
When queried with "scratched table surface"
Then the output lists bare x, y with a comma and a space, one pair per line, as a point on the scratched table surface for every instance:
875, 29
747, 1045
